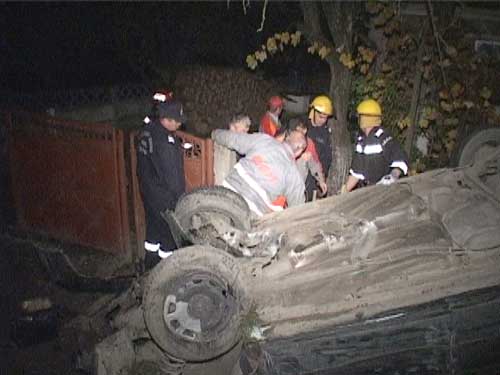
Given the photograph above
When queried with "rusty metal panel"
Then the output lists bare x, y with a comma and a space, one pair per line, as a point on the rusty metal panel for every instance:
67, 181
198, 170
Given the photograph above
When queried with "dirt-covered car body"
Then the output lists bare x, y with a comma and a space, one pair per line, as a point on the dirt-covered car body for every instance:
330, 263
357, 255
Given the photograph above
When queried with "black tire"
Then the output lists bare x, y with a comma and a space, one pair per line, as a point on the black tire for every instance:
206, 203
474, 143
197, 286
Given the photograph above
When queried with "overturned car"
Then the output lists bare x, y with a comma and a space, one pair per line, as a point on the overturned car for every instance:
387, 278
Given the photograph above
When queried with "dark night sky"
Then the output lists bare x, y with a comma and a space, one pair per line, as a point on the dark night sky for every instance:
62, 45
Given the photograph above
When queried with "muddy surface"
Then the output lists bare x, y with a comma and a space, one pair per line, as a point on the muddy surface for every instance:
34, 349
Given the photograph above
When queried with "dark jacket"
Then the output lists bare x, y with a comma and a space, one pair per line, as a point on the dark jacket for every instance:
321, 137
160, 167
375, 155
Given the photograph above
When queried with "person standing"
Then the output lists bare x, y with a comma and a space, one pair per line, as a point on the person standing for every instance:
270, 122
225, 158
319, 131
160, 168
308, 162
378, 157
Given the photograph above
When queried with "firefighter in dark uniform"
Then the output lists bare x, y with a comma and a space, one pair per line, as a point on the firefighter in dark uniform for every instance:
378, 158
160, 168
319, 131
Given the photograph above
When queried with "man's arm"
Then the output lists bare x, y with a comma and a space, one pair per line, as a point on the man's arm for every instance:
314, 166
240, 142
396, 156
295, 189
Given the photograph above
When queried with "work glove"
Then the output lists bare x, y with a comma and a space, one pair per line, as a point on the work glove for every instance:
343, 189
387, 180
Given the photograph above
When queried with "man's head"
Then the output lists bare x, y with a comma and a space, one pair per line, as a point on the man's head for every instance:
297, 141
320, 109
171, 115
275, 104
298, 124
240, 124
369, 114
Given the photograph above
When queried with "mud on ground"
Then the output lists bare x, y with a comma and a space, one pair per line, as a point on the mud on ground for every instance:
22, 277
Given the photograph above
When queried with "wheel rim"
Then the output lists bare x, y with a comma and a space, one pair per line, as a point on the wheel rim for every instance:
200, 307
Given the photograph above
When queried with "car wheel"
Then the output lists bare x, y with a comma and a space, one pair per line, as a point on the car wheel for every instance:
193, 302
198, 211
476, 145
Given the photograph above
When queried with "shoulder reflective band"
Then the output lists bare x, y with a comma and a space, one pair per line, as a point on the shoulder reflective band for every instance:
153, 247
401, 165
359, 176
379, 132
160, 97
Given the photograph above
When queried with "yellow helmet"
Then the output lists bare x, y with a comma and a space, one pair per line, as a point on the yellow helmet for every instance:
369, 107
322, 104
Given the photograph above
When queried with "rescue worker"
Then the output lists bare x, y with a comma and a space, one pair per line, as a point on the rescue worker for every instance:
225, 158
270, 122
320, 110
378, 157
308, 162
160, 168
267, 176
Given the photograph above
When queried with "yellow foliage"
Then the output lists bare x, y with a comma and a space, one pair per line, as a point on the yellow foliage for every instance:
323, 52
346, 60
251, 62
404, 123
364, 68
285, 38
296, 38
271, 45
366, 54
261, 56
423, 123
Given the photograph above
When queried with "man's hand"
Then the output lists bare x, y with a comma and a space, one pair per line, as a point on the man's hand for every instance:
323, 188
387, 180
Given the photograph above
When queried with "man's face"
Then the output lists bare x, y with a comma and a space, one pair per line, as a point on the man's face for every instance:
170, 124
319, 119
238, 127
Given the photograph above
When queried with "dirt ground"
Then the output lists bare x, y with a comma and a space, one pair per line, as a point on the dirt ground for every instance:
22, 277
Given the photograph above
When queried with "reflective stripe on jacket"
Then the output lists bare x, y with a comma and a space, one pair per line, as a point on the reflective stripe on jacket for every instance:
267, 171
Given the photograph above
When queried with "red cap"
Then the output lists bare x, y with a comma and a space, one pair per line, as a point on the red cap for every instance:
275, 102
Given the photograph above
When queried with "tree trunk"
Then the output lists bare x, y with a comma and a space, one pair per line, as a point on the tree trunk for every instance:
339, 17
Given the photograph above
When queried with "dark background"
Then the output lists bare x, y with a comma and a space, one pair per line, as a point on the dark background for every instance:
52, 45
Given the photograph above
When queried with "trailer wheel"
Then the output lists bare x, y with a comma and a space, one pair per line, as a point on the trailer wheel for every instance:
193, 302
198, 210
476, 145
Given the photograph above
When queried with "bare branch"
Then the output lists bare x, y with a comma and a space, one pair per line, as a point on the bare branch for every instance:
263, 17
430, 11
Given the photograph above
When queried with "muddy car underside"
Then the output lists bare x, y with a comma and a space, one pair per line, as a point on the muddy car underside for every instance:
356, 264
